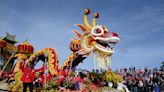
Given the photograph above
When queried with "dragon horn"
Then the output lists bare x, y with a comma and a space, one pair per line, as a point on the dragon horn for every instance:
83, 28
77, 33
89, 27
96, 15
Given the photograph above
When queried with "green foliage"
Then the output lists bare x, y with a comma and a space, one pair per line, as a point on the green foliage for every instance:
95, 77
53, 84
112, 77
68, 84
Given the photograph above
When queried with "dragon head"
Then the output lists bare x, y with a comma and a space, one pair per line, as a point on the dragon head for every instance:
96, 38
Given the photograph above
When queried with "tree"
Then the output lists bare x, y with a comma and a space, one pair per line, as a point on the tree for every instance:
162, 66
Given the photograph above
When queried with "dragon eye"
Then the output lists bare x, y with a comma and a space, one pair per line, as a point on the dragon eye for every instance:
97, 31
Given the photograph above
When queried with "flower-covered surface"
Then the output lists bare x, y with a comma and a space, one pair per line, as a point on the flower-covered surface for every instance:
85, 81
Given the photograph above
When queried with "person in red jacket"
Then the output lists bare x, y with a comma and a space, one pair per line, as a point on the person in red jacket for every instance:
29, 76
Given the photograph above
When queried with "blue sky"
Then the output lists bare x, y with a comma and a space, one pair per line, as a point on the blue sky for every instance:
48, 23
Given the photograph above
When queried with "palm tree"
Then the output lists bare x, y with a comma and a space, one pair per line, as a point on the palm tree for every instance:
162, 66
162, 63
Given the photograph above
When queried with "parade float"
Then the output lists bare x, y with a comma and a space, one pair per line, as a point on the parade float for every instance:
94, 39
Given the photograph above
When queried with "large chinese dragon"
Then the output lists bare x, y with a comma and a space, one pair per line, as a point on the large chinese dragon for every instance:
94, 38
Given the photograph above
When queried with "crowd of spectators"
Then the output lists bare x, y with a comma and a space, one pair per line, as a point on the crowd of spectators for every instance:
136, 80
143, 80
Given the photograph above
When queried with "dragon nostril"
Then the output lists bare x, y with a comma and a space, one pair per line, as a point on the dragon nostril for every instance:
115, 34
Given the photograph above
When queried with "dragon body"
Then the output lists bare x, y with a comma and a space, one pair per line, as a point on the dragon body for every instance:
94, 39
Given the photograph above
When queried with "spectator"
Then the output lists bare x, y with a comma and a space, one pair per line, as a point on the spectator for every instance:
146, 80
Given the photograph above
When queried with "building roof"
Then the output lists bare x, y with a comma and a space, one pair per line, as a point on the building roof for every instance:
10, 38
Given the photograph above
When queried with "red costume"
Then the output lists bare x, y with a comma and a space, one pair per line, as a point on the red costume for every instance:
28, 77
29, 74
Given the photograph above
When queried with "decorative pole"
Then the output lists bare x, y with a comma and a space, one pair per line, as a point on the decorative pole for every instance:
7, 63
45, 64
71, 64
